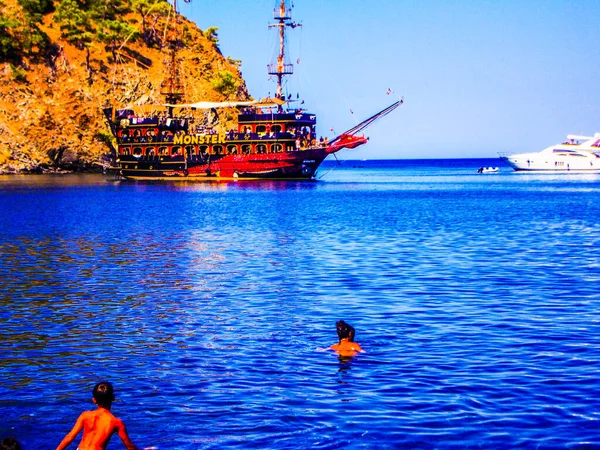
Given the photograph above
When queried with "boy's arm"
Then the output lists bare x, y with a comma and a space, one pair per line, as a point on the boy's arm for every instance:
124, 436
72, 434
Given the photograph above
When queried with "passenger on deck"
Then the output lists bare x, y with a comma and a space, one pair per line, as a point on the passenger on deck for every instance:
98, 426
346, 346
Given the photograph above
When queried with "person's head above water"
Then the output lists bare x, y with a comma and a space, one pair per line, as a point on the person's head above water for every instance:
344, 331
10, 443
104, 394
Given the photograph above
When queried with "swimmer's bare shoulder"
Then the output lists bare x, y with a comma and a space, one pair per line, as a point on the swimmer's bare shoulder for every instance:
345, 347
119, 427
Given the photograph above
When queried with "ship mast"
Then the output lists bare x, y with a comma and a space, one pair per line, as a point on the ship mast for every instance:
283, 15
171, 86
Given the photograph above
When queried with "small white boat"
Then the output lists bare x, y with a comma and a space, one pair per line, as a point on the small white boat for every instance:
576, 154
488, 170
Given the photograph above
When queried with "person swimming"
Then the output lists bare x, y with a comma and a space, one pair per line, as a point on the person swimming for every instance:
98, 426
346, 346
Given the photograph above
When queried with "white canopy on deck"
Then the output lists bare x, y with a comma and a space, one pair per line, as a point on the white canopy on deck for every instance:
263, 103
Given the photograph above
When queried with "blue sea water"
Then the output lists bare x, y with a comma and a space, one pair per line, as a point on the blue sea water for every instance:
211, 306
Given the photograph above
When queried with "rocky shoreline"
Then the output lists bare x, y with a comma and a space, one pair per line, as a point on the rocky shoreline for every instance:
9, 169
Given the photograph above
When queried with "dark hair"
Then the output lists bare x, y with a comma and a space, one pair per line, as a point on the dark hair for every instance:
104, 393
10, 443
344, 331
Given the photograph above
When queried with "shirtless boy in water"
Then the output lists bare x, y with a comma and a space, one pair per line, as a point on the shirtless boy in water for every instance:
98, 426
346, 346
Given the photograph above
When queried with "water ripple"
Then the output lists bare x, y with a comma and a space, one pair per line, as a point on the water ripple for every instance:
211, 308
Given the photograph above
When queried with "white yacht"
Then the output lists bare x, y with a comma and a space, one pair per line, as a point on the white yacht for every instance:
576, 154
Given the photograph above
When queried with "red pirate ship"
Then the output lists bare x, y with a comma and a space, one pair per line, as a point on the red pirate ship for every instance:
272, 139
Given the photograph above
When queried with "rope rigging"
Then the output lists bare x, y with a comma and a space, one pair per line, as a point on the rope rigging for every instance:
365, 123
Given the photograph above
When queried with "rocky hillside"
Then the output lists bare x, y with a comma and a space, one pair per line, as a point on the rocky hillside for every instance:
62, 61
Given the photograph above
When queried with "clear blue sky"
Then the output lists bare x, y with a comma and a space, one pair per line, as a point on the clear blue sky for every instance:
478, 77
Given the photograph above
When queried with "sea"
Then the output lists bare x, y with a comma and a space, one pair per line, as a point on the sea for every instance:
211, 307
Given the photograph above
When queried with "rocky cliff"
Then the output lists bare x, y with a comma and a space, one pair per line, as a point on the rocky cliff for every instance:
61, 62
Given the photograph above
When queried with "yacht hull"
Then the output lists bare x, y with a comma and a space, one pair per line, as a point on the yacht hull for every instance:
578, 154
537, 163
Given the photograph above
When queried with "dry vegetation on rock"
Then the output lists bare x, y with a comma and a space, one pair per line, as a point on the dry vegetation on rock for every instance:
61, 62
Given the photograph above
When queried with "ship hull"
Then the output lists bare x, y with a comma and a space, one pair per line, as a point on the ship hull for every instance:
532, 162
285, 166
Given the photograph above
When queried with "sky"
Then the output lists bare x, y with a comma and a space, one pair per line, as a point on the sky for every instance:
478, 77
